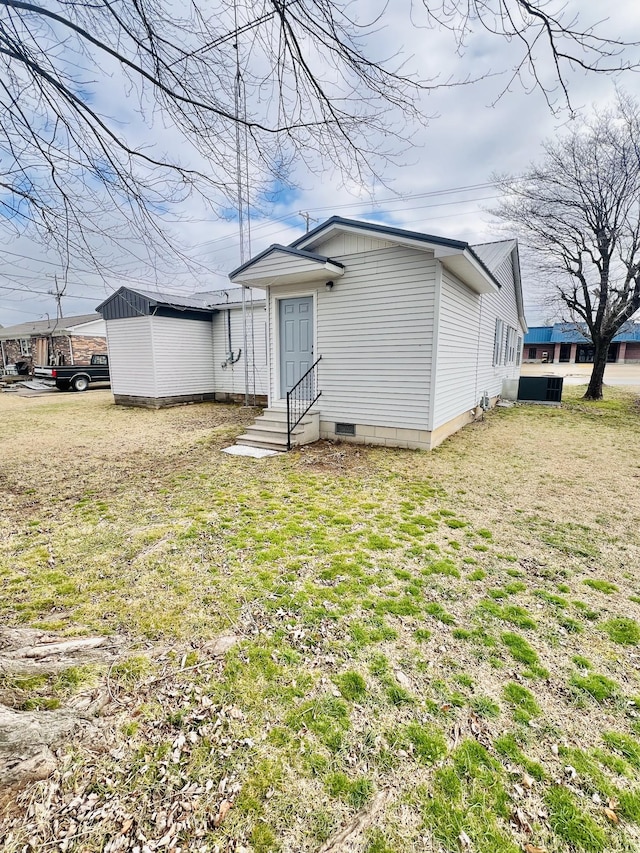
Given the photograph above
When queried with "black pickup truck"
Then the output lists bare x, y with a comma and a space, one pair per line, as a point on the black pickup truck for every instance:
76, 377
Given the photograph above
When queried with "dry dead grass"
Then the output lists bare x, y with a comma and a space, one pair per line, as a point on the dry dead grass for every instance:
372, 590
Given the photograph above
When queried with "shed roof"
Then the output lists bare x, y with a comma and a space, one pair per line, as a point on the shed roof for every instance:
138, 302
41, 328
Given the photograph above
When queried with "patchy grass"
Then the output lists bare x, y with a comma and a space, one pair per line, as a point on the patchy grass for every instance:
602, 586
623, 630
392, 611
599, 687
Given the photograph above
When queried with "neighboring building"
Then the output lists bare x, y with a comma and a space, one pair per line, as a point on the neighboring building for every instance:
70, 340
570, 343
167, 349
414, 331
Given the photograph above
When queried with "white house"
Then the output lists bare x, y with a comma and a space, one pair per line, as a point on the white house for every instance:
166, 349
403, 335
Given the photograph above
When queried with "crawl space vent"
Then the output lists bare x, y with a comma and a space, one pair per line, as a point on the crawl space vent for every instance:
345, 429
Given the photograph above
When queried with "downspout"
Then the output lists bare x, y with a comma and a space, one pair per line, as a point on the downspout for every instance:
70, 349
475, 395
4, 355
434, 345
244, 333
231, 358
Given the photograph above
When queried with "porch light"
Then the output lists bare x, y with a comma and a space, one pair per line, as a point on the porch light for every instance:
329, 285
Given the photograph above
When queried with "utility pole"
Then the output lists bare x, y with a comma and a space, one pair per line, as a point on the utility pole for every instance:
57, 295
307, 217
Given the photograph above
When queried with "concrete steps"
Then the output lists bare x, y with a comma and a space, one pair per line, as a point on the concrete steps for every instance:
270, 430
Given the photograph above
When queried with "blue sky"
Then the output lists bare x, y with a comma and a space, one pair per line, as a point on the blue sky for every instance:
441, 185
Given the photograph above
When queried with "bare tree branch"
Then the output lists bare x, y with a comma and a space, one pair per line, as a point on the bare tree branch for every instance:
298, 79
579, 212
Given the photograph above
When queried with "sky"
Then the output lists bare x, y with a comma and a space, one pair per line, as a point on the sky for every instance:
441, 184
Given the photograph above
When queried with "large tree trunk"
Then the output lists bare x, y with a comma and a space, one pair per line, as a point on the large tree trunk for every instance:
594, 389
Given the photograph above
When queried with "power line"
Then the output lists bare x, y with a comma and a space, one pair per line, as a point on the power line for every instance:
44, 293
368, 204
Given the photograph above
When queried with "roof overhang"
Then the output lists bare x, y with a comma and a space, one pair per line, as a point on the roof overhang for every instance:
286, 265
467, 267
456, 256
517, 281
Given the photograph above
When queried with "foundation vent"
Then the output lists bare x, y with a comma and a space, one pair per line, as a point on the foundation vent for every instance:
345, 429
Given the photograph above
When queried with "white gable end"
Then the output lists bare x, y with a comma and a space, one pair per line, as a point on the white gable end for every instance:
346, 243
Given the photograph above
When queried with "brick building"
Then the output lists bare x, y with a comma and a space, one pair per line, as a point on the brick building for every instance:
71, 340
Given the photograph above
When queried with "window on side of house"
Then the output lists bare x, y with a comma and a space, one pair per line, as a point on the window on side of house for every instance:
532, 352
518, 350
25, 348
512, 349
498, 339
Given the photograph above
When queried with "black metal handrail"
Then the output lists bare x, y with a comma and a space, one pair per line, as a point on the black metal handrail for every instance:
301, 397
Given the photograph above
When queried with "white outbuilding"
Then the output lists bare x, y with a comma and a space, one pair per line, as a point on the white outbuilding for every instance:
166, 349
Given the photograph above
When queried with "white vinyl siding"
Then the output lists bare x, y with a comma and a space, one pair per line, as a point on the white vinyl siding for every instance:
131, 362
183, 356
501, 306
374, 333
347, 243
231, 378
160, 356
94, 329
274, 263
459, 315
479, 341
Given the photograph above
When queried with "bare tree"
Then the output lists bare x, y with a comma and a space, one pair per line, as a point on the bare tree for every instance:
248, 85
579, 212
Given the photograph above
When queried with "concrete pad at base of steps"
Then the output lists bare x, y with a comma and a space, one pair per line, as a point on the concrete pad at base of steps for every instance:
253, 452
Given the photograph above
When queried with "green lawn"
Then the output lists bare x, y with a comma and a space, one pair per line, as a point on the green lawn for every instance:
457, 629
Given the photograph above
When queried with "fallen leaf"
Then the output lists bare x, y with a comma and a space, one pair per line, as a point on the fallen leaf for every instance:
611, 816
223, 811
521, 819
527, 781
402, 679
126, 826
464, 840
531, 848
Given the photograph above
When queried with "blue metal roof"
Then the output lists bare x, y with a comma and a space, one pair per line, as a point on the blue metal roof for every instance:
538, 335
576, 333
